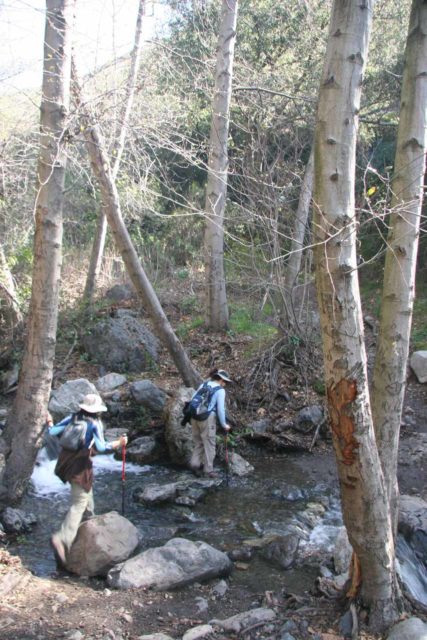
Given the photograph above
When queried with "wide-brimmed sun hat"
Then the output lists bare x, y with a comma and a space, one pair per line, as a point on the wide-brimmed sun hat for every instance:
223, 375
92, 403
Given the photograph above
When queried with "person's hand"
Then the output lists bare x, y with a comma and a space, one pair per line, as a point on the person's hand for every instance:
227, 428
48, 419
123, 441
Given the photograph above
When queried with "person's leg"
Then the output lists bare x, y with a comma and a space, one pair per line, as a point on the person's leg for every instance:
90, 509
65, 536
208, 436
198, 449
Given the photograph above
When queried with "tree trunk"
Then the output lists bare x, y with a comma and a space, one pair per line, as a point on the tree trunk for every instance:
101, 227
216, 190
398, 294
111, 209
25, 423
364, 501
293, 266
10, 311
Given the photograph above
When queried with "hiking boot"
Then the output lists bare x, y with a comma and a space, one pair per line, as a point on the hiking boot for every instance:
58, 549
211, 474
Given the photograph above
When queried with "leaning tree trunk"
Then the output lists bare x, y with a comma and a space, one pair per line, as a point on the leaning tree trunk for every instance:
101, 227
293, 266
398, 294
110, 203
364, 501
26, 420
216, 190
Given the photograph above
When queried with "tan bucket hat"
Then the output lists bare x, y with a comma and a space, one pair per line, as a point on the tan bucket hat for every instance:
92, 403
223, 375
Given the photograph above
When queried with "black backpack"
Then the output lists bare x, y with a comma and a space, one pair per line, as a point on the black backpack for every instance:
197, 407
74, 435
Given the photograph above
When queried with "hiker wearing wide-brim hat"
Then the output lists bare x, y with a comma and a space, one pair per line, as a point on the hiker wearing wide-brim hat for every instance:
81, 435
204, 431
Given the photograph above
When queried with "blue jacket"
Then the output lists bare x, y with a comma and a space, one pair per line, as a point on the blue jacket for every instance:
217, 402
94, 433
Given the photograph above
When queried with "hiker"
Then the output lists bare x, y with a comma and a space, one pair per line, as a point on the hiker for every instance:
75, 467
204, 431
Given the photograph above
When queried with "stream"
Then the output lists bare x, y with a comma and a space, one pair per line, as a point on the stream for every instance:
274, 499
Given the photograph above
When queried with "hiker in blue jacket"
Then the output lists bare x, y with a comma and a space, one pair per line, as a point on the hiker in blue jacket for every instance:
75, 467
204, 431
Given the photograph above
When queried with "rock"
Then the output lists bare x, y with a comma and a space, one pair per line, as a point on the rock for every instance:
342, 552
241, 621
202, 631
66, 398
244, 553
122, 344
178, 563
9, 379
411, 629
345, 625
178, 438
145, 393
239, 466
310, 417
109, 382
412, 524
16, 520
144, 450
155, 636
101, 543
260, 426
287, 636
283, 551
202, 604
158, 493
120, 292
220, 588
418, 363
2, 465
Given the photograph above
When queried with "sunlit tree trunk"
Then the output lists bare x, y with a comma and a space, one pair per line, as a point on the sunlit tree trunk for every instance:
364, 499
110, 203
9, 305
389, 380
26, 420
101, 227
216, 190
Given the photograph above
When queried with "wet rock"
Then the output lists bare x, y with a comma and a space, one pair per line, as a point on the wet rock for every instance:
411, 629
418, 363
66, 398
122, 344
16, 520
147, 394
292, 494
241, 621
101, 543
342, 551
144, 450
312, 515
194, 488
413, 524
109, 382
178, 438
196, 633
239, 466
283, 551
178, 563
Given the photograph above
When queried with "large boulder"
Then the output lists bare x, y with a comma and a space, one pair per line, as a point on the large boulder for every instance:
411, 629
109, 382
147, 394
66, 398
178, 563
413, 524
418, 364
239, 466
101, 543
178, 438
17, 521
122, 344
145, 450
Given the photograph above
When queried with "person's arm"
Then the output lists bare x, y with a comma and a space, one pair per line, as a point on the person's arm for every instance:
101, 445
57, 429
220, 409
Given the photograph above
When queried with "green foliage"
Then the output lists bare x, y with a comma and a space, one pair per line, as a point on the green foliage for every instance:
244, 320
184, 328
419, 324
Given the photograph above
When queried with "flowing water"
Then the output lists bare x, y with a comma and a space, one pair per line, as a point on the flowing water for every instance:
272, 500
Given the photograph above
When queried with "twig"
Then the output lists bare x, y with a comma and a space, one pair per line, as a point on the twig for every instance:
316, 433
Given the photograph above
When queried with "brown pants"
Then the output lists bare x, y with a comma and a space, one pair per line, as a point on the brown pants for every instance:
204, 443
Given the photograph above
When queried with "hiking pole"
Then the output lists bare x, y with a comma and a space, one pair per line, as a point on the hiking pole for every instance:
123, 477
227, 468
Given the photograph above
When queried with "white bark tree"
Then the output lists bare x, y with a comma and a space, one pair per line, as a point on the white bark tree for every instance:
27, 418
389, 380
101, 228
364, 498
216, 190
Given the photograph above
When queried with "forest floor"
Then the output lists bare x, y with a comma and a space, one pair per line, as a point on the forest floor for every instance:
65, 606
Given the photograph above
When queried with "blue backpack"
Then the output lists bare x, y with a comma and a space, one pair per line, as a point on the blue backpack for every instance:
197, 407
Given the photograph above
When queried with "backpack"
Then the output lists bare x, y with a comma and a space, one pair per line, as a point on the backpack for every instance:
74, 435
197, 407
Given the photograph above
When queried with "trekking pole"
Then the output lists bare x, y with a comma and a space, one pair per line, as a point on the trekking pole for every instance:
123, 477
227, 464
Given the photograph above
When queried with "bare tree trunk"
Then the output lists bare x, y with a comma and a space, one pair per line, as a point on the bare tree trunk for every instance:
364, 500
10, 310
111, 209
293, 266
389, 381
216, 190
25, 424
101, 227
